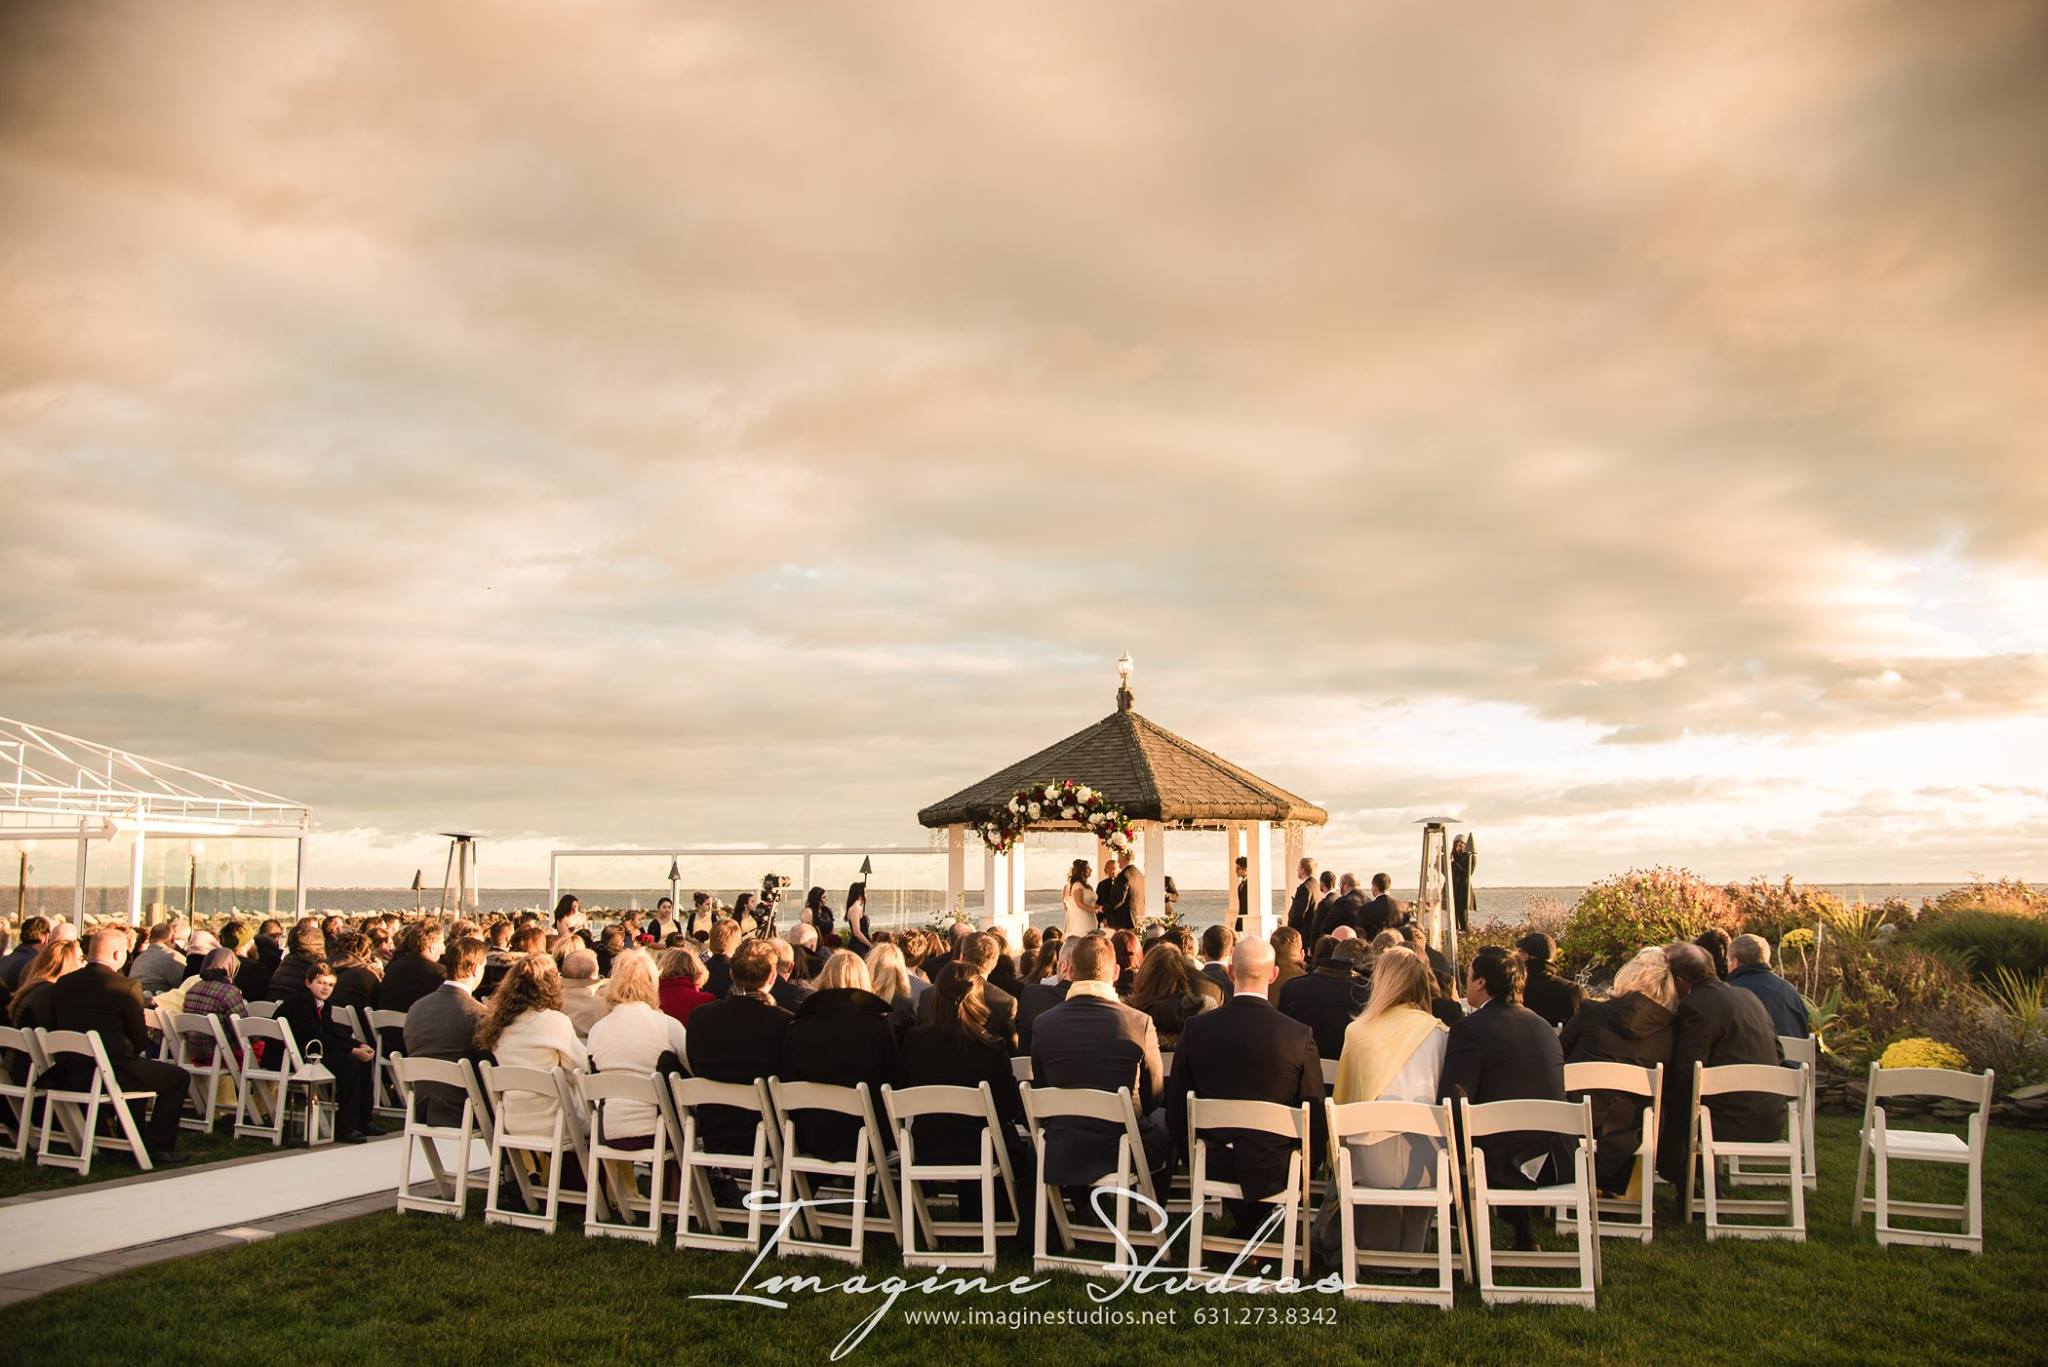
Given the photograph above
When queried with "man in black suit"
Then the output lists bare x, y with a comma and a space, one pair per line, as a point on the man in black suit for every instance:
1127, 897
1346, 908
1038, 998
1328, 999
1380, 912
1717, 1025
737, 1039
99, 1000
310, 1014
725, 937
442, 1025
1301, 908
1247, 1051
1093, 1040
1503, 1051
979, 951
1555, 999
1218, 942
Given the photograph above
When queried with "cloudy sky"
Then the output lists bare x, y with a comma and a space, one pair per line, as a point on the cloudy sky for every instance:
1624, 426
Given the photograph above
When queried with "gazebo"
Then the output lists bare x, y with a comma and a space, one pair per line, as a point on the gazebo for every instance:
1160, 782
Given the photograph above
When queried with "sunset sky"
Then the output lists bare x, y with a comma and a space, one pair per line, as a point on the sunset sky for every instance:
1625, 427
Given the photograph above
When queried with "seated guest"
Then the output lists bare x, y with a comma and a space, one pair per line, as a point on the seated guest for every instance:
1553, 998
1002, 975
518, 944
313, 1020
583, 999
215, 994
160, 967
957, 1050
1330, 998
1246, 1050
1041, 996
1446, 977
415, 969
1634, 1025
357, 977
803, 940
1715, 942
682, 982
1394, 1052
725, 937
1504, 1051
443, 1025
610, 944
737, 1038
980, 952
1217, 943
1172, 992
840, 1036
96, 998
29, 1007
788, 992
634, 1035
523, 1027
1750, 957
1717, 1024
308, 947
1044, 965
1093, 1040
34, 931
892, 984
1287, 960
1124, 942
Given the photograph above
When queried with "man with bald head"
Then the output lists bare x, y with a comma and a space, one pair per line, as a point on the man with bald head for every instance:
1717, 1025
98, 999
1245, 1050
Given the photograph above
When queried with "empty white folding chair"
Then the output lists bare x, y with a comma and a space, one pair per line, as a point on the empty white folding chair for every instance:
1800, 1052
697, 1203
1330, 1073
267, 1010
1383, 1122
803, 1172
613, 1169
469, 1129
1623, 1217
1570, 1120
1020, 1067
1707, 1152
389, 1096
1129, 1175
203, 1052
1265, 1117
71, 1115
510, 1145
972, 1103
1888, 1144
18, 1050
271, 1087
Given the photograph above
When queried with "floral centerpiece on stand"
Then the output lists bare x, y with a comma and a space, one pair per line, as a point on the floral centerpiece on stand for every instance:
1062, 801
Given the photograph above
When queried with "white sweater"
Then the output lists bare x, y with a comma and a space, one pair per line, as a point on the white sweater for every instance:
630, 1039
543, 1040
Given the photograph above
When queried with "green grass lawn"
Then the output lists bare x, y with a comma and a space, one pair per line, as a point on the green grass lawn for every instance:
423, 1288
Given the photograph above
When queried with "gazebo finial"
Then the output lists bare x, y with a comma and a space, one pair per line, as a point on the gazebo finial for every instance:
1123, 686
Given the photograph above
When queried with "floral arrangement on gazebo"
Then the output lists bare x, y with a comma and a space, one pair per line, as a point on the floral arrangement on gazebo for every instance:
1062, 801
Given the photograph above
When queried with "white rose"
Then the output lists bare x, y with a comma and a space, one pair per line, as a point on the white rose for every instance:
1066, 813
1051, 792
1082, 792
1034, 810
1015, 806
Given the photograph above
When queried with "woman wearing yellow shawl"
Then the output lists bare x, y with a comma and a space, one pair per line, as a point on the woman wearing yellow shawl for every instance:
1393, 1052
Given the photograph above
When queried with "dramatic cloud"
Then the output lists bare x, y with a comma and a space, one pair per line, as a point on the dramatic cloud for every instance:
628, 423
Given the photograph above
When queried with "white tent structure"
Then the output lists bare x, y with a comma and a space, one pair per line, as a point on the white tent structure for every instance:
58, 790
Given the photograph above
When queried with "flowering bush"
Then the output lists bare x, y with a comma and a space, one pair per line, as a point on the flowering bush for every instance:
1920, 1052
1773, 909
2009, 895
1618, 916
1063, 801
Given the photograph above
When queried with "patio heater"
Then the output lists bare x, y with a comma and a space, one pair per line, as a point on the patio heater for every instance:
1433, 886
455, 881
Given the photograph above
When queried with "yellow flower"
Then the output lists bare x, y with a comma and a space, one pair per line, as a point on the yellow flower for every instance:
1923, 1053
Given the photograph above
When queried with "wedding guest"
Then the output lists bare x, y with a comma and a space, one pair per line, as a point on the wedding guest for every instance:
956, 1049
858, 934
1717, 1025
840, 1036
892, 984
312, 1017
1248, 1051
980, 951
1301, 907
1635, 1025
443, 1025
1715, 942
725, 937
1504, 1051
1218, 942
198, 945
1553, 998
1328, 999
1750, 956
817, 914
415, 969
738, 1038
1045, 967
803, 938
1093, 1040
523, 1027
1346, 908
29, 1007
682, 982
583, 999
1287, 960
1394, 1052
525, 941
1039, 997
34, 931
160, 967
97, 998
787, 992
1002, 974
633, 1035
215, 994
1380, 912
1243, 883
1171, 992
309, 946
610, 944
1418, 940
357, 980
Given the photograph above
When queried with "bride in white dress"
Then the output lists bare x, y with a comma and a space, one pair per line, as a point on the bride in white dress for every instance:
1077, 898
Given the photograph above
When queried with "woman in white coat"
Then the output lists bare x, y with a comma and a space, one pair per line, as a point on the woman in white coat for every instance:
1394, 1051
523, 1026
1077, 899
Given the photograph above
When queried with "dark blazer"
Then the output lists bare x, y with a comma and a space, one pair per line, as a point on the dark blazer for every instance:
1090, 1041
1717, 1025
1630, 1028
1220, 975
734, 1039
356, 985
442, 1025
1780, 998
840, 1036
1117, 911
718, 974
1377, 914
1171, 1016
1504, 1052
931, 1057
1034, 1001
1004, 976
311, 1020
1301, 909
1109, 893
1247, 1051
290, 975
1326, 1001
252, 979
1341, 909
1553, 998
407, 978
1002, 1012
96, 998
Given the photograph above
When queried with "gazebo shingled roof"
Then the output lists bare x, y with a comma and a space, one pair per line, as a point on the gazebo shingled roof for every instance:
1142, 769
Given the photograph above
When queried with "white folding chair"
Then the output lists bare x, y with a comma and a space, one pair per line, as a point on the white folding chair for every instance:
1385, 1121
508, 1145
972, 1103
469, 1128
75, 1112
202, 1032
270, 1089
1572, 1120
1705, 1153
18, 1099
696, 1201
1264, 1117
265, 1010
1129, 1175
616, 1169
1802, 1052
1620, 1216
1888, 1144
869, 1163
389, 1097
1020, 1067
1330, 1074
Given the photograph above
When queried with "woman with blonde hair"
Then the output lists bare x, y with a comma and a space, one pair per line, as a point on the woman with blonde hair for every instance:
523, 1026
890, 979
841, 1036
633, 1037
1394, 1051
1636, 1024
52, 961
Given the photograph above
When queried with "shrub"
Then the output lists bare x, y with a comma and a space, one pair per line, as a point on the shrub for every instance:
2009, 895
1983, 941
1773, 909
1923, 1053
1884, 994
1618, 916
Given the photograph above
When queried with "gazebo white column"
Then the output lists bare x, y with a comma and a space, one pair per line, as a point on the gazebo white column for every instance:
956, 866
1153, 862
135, 880
1296, 840
995, 885
1233, 846
1259, 874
